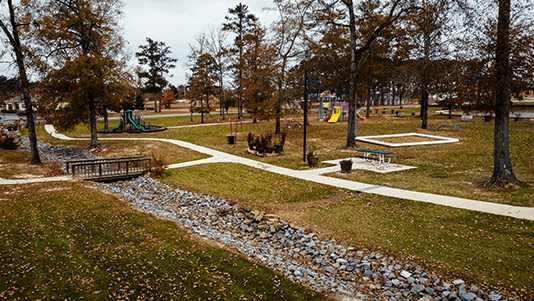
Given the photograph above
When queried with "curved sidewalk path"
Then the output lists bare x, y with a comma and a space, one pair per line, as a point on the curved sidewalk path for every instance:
316, 176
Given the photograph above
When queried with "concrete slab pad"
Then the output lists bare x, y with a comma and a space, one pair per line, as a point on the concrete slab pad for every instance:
437, 140
358, 163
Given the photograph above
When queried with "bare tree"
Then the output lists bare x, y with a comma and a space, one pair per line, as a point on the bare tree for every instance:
382, 15
12, 29
289, 31
214, 43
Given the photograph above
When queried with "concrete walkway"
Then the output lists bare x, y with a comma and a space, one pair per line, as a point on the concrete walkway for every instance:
317, 176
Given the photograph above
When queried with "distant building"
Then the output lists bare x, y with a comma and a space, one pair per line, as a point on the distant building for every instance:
16, 103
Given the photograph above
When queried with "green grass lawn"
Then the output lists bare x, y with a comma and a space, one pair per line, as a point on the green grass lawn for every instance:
65, 241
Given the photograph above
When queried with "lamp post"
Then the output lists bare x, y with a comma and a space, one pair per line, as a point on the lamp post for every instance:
305, 111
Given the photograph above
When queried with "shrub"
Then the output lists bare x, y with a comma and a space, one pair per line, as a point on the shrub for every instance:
259, 148
250, 140
282, 140
263, 143
158, 166
54, 169
8, 140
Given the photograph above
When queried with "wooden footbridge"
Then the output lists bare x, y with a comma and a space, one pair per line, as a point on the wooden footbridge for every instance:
109, 169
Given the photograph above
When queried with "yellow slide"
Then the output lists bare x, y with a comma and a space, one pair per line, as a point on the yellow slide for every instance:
360, 116
335, 115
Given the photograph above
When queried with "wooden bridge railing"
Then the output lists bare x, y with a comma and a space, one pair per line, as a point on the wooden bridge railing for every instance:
110, 168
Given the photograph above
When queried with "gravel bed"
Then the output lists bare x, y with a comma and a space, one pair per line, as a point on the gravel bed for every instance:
302, 257
54, 153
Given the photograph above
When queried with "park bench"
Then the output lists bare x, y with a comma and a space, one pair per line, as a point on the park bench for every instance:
376, 157
466, 117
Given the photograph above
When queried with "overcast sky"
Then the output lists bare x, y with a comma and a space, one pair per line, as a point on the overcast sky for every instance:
178, 22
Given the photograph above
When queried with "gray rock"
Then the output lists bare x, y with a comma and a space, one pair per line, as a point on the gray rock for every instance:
405, 274
417, 289
468, 297
341, 261
458, 282
494, 297
330, 269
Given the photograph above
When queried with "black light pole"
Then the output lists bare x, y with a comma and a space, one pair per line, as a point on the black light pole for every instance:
305, 111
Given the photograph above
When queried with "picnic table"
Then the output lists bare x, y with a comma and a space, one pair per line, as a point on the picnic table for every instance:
377, 157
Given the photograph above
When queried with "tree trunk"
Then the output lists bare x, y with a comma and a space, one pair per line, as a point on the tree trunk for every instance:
222, 94
368, 112
382, 102
281, 96
92, 121
352, 130
426, 79
502, 162
106, 123
451, 107
424, 108
240, 88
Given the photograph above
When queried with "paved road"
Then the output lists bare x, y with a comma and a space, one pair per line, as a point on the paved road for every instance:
9, 118
316, 175
164, 115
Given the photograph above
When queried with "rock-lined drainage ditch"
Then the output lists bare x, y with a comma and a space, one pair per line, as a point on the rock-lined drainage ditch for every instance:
302, 257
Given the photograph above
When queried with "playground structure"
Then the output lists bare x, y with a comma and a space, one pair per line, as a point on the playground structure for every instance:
335, 111
130, 123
